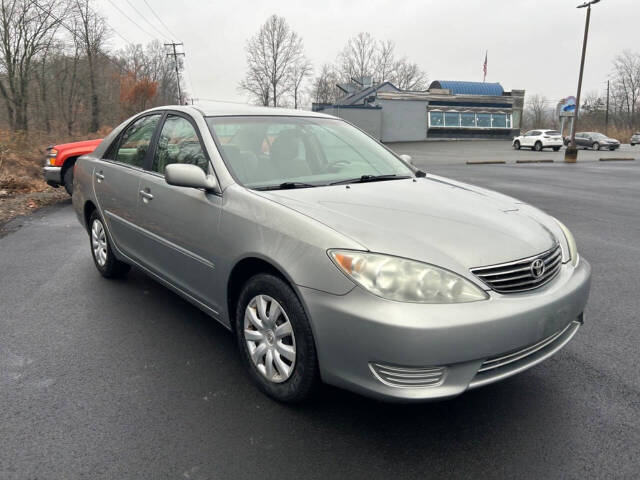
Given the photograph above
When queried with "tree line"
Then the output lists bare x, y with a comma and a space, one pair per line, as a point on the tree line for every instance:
57, 73
279, 73
623, 117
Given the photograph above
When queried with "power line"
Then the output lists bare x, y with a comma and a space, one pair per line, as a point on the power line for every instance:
160, 20
137, 24
146, 20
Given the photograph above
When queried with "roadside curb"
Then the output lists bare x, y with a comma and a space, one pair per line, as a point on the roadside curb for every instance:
544, 160
619, 159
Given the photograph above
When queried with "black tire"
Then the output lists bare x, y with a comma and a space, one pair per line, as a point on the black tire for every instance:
595, 146
111, 267
516, 145
67, 179
305, 377
555, 149
538, 146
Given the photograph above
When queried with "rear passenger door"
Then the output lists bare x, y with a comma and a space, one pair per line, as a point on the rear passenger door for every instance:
116, 179
182, 241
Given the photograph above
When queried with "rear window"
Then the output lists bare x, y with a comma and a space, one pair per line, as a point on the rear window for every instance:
553, 132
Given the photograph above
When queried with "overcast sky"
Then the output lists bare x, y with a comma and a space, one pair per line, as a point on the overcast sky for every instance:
533, 45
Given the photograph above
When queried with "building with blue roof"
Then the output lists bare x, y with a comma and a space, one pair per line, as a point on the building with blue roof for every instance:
448, 109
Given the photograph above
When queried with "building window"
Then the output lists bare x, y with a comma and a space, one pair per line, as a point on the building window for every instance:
499, 120
468, 119
508, 120
483, 120
436, 119
452, 119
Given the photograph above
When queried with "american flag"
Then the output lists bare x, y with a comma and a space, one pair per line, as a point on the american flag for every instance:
484, 67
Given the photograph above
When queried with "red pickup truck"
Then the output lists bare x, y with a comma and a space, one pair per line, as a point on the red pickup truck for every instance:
58, 167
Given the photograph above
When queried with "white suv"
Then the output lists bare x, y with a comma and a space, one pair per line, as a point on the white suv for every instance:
539, 139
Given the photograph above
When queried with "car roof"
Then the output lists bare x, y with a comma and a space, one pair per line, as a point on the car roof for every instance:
223, 109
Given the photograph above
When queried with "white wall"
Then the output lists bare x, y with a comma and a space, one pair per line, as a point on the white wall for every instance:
367, 119
403, 120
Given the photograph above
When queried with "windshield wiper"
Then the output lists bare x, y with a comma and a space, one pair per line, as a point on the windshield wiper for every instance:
286, 186
371, 178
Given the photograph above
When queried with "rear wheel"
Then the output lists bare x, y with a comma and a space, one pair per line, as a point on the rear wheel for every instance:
516, 145
555, 149
106, 263
275, 339
595, 146
538, 147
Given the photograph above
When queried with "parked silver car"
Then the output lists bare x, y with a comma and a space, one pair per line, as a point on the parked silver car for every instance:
327, 255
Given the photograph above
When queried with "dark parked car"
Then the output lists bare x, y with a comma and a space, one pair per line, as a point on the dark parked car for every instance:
635, 139
594, 141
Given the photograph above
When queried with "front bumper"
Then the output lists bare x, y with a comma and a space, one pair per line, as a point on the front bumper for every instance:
52, 175
357, 332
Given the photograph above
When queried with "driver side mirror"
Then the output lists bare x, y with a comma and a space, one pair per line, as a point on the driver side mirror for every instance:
190, 176
407, 158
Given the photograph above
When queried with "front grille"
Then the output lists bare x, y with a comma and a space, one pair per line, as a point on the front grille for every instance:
408, 377
520, 275
506, 359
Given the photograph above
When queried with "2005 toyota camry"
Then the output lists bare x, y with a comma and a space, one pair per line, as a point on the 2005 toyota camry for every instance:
330, 257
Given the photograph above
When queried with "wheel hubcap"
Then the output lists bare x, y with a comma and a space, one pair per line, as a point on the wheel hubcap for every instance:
269, 337
99, 243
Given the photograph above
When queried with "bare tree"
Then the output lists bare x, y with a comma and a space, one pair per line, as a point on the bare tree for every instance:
626, 84
324, 88
299, 72
271, 54
409, 76
385, 62
91, 33
537, 110
358, 58
26, 28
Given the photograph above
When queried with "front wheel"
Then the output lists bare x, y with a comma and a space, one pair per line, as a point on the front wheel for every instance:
275, 339
596, 146
538, 147
106, 263
67, 180
516, 145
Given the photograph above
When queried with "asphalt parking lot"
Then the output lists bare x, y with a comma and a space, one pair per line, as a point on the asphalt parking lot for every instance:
124, 379
453, 152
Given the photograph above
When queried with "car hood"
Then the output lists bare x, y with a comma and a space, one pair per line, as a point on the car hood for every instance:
431, 219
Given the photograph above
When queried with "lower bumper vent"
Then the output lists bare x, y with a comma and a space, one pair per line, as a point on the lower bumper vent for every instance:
408, 377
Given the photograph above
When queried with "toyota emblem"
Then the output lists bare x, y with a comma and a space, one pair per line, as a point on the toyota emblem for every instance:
537, 268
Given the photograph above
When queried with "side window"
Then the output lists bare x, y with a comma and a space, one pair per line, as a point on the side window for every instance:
178, 143
135, 140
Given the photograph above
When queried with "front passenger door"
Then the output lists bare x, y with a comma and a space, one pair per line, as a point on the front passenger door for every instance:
182, 223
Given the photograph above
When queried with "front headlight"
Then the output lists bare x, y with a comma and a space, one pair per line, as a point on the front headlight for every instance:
571, 242
405, 280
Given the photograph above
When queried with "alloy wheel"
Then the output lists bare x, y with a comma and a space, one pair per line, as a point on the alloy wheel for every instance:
269, 337
99, 242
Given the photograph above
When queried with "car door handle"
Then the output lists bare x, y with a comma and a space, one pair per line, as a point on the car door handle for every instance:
146, 195
99, 177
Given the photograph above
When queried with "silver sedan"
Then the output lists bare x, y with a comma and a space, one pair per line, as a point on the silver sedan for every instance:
329, 257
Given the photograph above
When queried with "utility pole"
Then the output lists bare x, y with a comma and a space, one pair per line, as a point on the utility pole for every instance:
175, 59
606, 115
571, 153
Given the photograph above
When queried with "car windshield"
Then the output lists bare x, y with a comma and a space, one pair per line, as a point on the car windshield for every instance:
272, 151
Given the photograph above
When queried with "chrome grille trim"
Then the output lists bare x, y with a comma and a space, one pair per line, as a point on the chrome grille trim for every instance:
516, 276
502, 360
408, 377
